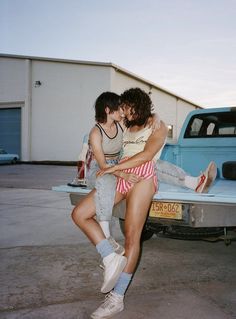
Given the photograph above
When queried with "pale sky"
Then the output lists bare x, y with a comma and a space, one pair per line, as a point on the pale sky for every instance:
185, 46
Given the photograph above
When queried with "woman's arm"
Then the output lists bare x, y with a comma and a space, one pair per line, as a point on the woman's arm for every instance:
153, 146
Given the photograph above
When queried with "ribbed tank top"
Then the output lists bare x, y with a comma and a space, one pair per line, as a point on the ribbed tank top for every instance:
111, 145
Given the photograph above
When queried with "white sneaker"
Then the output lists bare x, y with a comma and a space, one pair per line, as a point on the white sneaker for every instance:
116, 246
114, 264
112, 305
117, 249
207, 178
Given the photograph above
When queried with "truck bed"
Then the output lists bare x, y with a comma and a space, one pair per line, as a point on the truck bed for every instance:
222, 192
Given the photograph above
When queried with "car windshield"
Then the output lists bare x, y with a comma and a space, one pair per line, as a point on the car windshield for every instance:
2, 151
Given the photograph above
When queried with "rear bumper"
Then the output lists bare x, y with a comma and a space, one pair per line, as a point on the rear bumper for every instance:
194, 214
215, 209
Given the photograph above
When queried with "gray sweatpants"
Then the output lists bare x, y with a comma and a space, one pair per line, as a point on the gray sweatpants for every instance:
105, 190
170, 173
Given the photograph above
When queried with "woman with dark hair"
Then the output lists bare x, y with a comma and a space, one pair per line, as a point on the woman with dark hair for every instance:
141, 148
105, 142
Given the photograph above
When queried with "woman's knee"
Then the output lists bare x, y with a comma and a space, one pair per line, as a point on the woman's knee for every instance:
76, 216
84, 210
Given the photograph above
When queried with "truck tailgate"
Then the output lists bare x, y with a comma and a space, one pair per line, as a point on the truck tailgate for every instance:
222, 192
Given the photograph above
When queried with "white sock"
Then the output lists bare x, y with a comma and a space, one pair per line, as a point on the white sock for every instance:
105, 225
191, 182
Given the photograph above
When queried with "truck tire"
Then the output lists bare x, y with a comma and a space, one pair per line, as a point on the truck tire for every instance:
229, 170
146, 233
189, 233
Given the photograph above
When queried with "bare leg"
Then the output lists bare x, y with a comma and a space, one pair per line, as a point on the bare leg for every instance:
138, 201
83, 216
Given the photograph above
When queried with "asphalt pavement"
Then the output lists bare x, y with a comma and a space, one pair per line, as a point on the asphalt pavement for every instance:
49, 269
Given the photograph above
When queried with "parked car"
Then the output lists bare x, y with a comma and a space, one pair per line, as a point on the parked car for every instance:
8, 158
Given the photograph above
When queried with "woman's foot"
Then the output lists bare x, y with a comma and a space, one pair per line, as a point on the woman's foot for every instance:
112, 305
206, 179
113, 267
117, 249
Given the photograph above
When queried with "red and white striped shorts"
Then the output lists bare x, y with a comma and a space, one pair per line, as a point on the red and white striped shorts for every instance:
146, 171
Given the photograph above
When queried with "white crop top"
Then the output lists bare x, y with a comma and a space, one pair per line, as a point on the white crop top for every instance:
134, 142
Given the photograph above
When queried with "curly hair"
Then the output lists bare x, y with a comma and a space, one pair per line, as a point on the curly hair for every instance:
106, 99
141, 106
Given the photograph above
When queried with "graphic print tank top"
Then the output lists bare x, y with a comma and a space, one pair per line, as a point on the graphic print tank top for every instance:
134, 142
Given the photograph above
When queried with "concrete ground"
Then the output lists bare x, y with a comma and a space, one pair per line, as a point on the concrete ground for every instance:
49, 270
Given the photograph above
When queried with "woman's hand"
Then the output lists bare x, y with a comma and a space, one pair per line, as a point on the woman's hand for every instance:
109, 170
132, 178
154, 122
129, 177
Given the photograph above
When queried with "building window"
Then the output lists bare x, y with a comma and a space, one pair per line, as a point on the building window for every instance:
170, 131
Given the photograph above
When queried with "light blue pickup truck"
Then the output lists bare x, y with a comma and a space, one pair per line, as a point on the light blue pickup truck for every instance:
207, 135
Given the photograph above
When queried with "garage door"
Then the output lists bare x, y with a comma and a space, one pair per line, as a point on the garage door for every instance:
10, 130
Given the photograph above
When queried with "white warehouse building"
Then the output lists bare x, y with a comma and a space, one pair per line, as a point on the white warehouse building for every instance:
47, 105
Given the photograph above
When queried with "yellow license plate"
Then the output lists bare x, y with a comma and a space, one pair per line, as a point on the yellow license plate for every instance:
166, 210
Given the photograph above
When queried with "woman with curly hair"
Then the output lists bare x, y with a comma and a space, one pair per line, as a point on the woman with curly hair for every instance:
141, 148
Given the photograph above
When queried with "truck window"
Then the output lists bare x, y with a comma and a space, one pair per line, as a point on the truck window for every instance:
220, 124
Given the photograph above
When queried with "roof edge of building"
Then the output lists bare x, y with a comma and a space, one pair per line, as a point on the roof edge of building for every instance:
107, 64
152, 84
18, 56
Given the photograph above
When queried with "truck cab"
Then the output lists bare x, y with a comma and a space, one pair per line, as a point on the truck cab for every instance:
206, 135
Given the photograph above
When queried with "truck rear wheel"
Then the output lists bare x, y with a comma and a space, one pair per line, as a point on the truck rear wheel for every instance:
229, 170
146, 233
184, 232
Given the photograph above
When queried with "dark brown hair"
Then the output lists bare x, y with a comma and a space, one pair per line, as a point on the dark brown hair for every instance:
106, 99
141, 106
